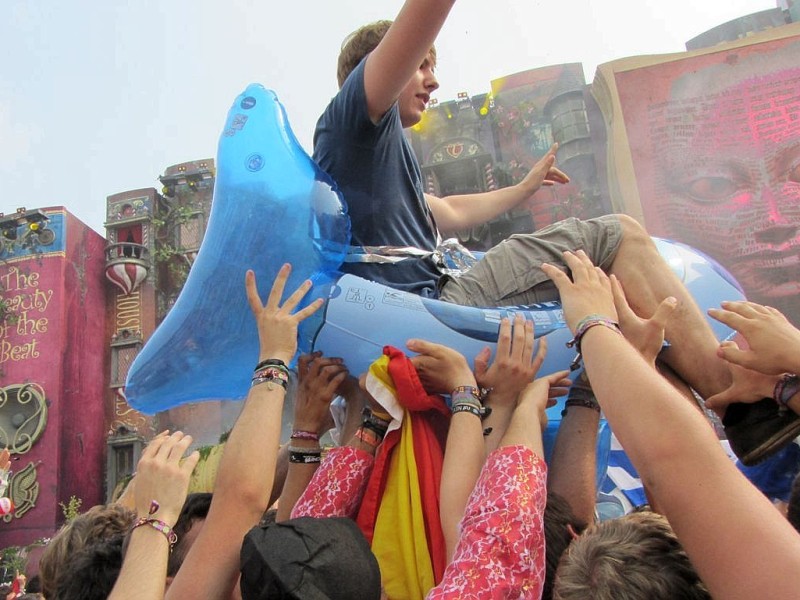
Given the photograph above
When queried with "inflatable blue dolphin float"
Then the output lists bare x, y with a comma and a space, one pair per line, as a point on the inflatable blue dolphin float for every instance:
272, 204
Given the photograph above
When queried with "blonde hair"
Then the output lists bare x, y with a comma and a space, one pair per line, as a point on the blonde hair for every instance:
635, 557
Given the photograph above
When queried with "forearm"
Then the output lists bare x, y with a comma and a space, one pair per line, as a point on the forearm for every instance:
679, 458
298, 477
468, 210
497, 422
247, 467
463, 459
144, 568
573, 466
241, 493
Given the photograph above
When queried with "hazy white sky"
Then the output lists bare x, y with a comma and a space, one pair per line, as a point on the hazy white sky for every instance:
99, 97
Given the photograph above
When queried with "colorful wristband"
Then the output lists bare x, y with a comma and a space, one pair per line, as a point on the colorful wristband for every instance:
368, 437
305, 458
585, 325
300, 434
786, 387
271, 362
158, 525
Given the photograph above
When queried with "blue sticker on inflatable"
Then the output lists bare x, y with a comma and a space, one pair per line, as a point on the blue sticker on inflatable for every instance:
272, 204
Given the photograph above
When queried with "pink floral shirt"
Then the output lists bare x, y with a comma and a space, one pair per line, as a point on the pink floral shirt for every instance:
337, 486
500, 553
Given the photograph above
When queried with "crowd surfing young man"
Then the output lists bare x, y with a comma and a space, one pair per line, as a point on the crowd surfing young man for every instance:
386, 74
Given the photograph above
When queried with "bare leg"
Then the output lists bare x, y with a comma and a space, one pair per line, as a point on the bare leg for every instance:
648, 279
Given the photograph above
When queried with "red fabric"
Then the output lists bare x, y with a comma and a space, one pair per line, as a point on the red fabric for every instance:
430, 434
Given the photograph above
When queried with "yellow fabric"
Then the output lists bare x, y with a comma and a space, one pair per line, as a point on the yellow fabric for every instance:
400, 543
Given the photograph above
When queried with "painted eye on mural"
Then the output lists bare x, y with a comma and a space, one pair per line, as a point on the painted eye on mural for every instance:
711, 189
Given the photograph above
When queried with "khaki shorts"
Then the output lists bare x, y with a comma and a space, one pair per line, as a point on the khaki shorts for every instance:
509, 274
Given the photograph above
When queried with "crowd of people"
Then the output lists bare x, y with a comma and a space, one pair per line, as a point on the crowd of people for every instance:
439, 485
510, 524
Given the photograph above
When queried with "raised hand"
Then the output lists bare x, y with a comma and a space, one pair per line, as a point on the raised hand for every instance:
587, 293
319, 378
515, 363
277, 325
535, 398
440, 368
162, 478
774, 343
646, 335
747, 385
544, 173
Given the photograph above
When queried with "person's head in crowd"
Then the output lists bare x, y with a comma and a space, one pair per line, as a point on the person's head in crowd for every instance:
360, 43
96, 524
636, 557
309, 558
187, 528
91, 572
561, 526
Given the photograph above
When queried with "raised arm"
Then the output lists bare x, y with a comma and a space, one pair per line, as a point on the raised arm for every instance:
739, 543
453, 213
163, 481
401, 52
444, 370
247, 468
318, 379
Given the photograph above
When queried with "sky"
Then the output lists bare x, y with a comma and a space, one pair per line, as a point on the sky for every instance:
100, 97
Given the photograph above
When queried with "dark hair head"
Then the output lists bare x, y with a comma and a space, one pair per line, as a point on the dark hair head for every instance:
92, 572
195, 508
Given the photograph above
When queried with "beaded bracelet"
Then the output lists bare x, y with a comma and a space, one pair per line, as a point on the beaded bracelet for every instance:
299, 434
466, 390
786, 387
158, 525
271, 375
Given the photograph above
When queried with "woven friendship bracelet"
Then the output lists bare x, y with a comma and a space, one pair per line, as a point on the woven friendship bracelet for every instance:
585, 325
299, 434
786, 387
468, 389
161, 526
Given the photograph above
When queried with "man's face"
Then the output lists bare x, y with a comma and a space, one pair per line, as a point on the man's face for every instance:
415, 96
730, 185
